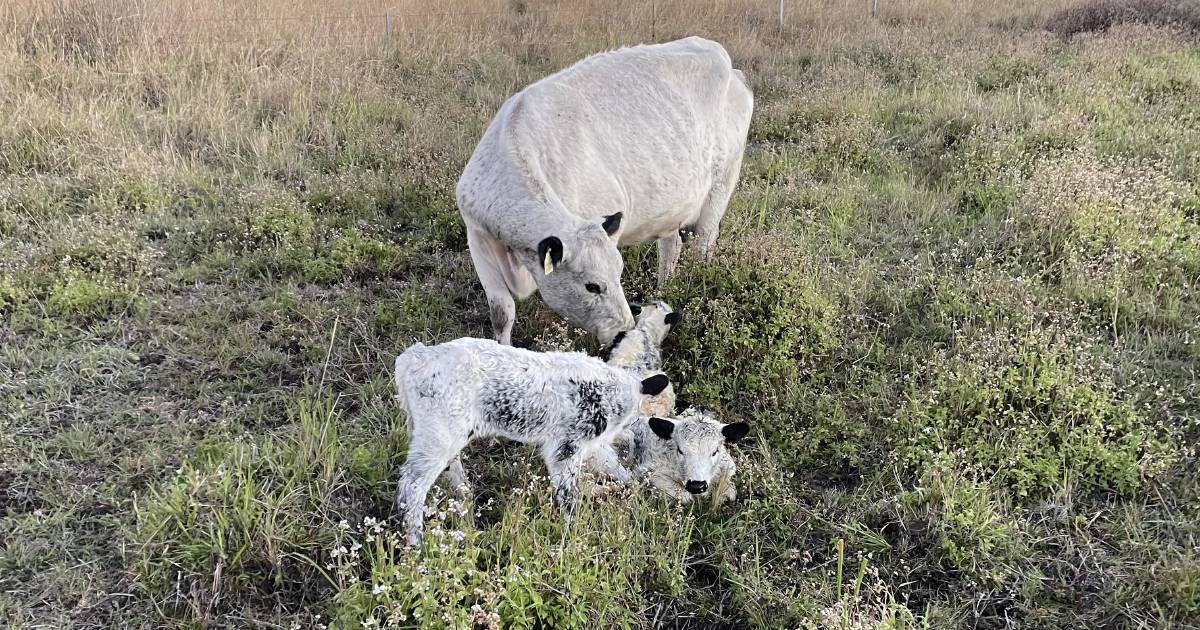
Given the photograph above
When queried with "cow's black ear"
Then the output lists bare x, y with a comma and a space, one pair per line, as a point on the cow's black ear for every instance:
662, 428
682, 404
612, 223
673, 318
735, 431
550, 253
636, 309
655, 385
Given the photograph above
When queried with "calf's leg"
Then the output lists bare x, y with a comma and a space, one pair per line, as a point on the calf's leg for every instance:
563, 461
456, 477
428, 455
607, 461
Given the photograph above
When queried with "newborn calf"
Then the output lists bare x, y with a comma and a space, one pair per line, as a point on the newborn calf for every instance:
641, 349
683, 457
566, 403
686, 456
638, 350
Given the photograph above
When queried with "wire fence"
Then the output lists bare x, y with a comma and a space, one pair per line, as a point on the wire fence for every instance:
389, 22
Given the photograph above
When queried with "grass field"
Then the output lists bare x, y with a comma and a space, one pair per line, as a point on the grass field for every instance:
956, 294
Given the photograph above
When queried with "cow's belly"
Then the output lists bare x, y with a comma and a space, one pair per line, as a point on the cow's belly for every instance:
659, 225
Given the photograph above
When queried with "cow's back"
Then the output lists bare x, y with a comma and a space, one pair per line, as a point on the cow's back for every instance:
641, 130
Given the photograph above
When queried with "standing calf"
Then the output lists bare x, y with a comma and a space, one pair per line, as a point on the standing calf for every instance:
566, 403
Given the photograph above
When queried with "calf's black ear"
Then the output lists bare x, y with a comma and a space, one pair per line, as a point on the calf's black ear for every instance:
612, 223
662, 428
654, 385
636, 309
735, 431
606, 353
550, 253
673, 318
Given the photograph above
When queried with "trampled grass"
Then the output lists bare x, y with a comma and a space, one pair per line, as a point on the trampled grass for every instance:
955, 295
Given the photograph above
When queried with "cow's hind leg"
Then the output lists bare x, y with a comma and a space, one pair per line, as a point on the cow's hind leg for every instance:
668, 256
708, 224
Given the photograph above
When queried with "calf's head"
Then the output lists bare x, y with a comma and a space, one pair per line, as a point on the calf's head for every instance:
579, 276
698, 441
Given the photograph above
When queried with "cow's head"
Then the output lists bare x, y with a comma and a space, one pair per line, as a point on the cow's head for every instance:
698, 441
579, 276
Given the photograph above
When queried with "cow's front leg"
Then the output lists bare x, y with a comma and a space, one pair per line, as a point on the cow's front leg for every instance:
490, 258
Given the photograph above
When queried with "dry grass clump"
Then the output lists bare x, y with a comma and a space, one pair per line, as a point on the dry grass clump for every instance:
1091, 16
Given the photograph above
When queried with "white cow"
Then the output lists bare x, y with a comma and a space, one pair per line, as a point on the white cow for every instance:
623, 147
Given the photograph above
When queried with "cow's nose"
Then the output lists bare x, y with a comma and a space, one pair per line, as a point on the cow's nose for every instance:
696, 487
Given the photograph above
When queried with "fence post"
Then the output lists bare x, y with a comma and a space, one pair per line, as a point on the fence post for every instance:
653, 20
780, 16
387, 24
874, 6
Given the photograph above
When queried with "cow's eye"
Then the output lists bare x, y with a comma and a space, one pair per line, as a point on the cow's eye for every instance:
592, 287
679, 450
715, 453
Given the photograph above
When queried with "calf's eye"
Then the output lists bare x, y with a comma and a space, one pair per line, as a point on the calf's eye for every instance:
679, 450
592, 287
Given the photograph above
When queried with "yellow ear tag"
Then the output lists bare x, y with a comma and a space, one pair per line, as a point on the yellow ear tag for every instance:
547, 265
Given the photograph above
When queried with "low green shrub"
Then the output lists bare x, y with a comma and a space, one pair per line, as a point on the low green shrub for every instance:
83, 296
974, 534
1032, 425
354, 254
1005, 72
283, 227
531, 569
11, 294
244, 517
752, 318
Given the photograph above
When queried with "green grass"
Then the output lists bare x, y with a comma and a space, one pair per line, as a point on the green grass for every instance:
955, 294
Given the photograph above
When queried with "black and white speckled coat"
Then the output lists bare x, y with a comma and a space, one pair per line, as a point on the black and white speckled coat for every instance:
566, 403
640, 349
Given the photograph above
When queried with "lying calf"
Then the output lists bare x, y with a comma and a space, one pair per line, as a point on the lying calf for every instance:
566, 403
682, 457
641, 349
686, 456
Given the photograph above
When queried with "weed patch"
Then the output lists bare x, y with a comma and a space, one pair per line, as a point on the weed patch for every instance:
1029, 421
753, 318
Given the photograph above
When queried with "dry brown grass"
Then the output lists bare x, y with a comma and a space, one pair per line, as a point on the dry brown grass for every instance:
204, 205
1093, 16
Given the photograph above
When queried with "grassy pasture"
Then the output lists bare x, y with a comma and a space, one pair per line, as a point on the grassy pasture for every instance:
956, 295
